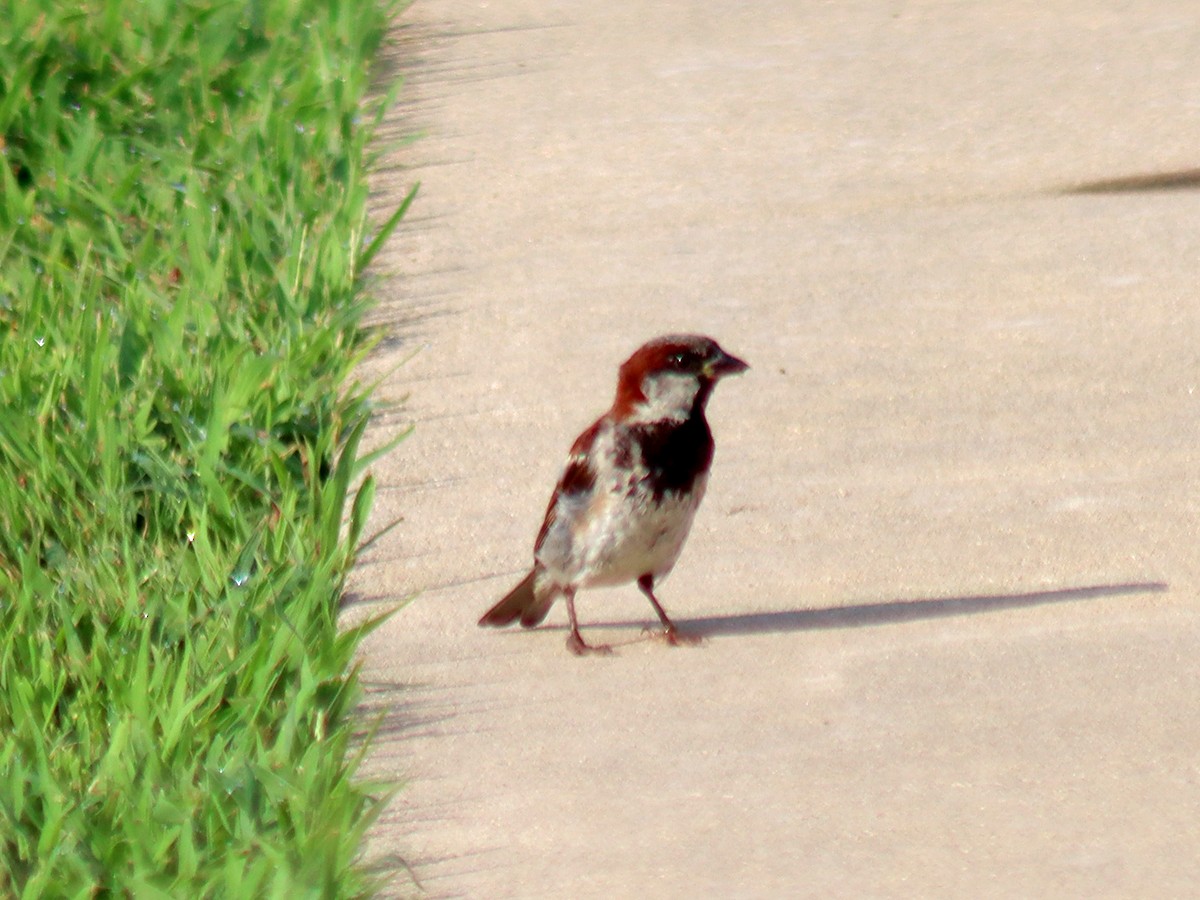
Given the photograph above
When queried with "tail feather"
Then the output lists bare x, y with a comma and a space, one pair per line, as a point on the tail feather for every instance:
523, 603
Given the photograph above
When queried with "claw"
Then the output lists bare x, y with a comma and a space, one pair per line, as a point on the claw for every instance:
576, 645
676, 638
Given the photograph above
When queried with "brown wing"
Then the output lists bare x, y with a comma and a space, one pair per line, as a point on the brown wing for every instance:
578, 477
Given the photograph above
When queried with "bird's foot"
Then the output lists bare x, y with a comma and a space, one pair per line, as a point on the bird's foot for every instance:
677, 638
576, 645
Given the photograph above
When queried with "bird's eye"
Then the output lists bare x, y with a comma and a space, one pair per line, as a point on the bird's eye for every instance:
678, 359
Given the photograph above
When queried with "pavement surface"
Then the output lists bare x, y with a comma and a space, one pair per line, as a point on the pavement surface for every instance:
947, 569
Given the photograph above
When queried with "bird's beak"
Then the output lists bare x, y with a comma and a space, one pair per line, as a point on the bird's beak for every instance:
725, 364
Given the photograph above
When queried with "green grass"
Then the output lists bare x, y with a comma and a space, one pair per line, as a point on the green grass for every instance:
182, 241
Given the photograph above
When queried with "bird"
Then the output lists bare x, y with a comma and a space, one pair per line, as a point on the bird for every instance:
623, 506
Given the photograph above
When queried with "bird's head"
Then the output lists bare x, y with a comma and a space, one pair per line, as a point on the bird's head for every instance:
671, 378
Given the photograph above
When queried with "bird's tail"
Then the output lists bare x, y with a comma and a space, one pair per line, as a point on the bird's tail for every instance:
522, 602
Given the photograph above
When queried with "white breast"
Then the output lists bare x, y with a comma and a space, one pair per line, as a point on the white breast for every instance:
640, 536
617, 532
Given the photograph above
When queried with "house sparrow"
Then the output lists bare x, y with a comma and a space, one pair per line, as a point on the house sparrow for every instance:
633, 481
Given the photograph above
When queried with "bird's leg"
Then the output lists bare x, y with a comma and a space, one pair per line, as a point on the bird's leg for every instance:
575, 642
670, 632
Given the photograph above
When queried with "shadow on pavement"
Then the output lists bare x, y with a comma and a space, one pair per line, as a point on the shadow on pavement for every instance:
894, 611
1180, 180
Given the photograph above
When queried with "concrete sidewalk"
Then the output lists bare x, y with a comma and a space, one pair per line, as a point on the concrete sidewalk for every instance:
948, 563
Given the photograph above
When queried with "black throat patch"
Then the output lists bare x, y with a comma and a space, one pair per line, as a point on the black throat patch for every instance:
675, 454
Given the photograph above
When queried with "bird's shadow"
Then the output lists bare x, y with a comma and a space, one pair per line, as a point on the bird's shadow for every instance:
890, 612
1147, 182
